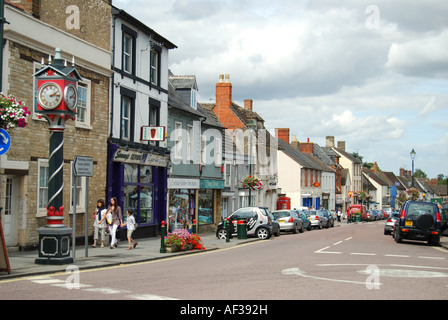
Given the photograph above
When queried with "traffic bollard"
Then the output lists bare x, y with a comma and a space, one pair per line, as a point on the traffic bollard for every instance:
227, 230
162, 237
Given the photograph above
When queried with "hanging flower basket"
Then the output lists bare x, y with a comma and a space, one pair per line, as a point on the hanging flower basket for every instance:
413, 193
252, 183
12, 113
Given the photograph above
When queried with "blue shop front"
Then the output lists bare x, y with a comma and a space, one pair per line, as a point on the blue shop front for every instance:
138, 179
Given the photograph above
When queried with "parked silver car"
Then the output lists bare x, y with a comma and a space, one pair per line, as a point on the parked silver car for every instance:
288, 220
317, 218
389, 225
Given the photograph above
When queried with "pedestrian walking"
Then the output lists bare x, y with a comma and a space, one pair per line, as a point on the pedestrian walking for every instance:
117, 219
339, 214
99, 222
131, 225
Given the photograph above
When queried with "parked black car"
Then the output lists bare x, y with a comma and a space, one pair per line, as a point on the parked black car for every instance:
418, 221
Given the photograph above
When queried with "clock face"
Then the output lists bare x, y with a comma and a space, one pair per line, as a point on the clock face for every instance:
49, 95
71, 96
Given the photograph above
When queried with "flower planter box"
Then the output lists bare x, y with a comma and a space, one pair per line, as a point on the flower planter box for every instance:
170, 248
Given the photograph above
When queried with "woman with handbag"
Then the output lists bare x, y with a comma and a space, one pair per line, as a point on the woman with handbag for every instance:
117, 220
99, 222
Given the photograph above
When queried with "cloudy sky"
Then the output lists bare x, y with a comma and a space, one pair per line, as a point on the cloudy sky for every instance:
371, 73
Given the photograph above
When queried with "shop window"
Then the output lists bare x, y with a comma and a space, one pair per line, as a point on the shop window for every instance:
205, 211
138, 193
182, 208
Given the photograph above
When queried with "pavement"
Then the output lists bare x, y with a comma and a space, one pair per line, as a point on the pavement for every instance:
23, 263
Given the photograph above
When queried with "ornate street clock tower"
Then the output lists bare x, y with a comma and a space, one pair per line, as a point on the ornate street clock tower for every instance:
57, 98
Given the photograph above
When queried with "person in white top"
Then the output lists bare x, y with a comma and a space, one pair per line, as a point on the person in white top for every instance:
131, 225
99, 222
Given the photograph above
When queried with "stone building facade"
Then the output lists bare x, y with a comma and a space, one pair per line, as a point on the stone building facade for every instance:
81, 29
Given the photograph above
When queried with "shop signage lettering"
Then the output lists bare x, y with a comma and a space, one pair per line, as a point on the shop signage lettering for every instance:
212, 184
174, 183
141, 158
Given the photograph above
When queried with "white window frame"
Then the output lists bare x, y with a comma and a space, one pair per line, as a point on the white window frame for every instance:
127, 56
127, 119
154, 66
86, 123
41, 212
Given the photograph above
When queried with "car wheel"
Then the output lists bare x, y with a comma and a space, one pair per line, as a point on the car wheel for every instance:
302, 229
295, 229
263, 233
278, 232
320, 225
309, 227
222, 234
398, 238
434, 241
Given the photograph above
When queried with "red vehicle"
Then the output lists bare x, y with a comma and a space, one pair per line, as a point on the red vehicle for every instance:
357, 209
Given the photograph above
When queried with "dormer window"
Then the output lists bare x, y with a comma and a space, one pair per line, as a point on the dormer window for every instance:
194, 103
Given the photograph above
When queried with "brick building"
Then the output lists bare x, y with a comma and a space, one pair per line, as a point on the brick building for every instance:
81, 29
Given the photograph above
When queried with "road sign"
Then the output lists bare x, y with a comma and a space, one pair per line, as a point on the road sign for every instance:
5, 141
83, 166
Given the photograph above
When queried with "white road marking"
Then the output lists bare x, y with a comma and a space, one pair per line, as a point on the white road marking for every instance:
363, 254
298, 272
149, 297
106, 290
396, 255
321, 251
87, 287
435, 258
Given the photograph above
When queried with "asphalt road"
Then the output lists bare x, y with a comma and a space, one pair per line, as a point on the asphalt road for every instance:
348, 262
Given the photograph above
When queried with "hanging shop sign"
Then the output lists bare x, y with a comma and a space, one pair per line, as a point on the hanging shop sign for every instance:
152, 133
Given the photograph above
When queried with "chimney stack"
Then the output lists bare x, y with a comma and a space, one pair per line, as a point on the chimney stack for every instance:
306, 147
330, 141
282, 133
223, 104
341, 145
295, 144
375, 168
248, 104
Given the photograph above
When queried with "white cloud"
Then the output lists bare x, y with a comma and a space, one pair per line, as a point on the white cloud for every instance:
315, 67
421, 57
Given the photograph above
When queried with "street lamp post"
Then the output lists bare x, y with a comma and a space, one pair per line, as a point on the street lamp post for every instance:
251, 126
413, 153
